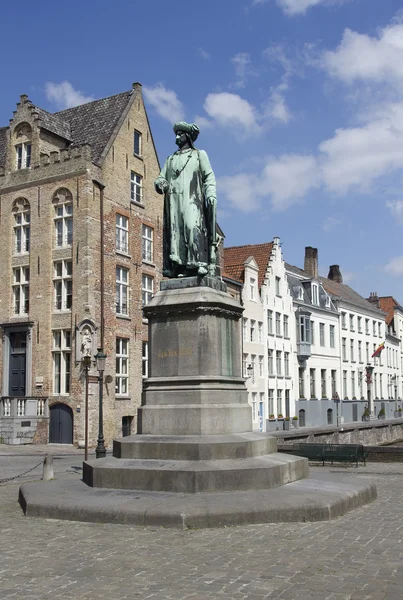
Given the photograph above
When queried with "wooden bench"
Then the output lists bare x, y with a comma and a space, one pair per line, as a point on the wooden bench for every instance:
344, 452
332, 452
309, 451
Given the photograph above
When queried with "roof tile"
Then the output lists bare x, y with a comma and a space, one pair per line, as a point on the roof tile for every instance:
236, 256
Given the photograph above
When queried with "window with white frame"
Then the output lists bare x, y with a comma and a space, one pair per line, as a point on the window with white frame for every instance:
21, 290
352, 357
312, 332
374, 328
301, 381
277, 284
285, 326
147, 288
137, 142
245, 365
322, 334
245, 329
260, 331
380, 329
270, 362
305, 329
63, 221
367, 351
344, 348
61, 361
360, 351
323, 383
343, 320
287, 364
122, 367
252, 330
23, 155
261, 358
331, 336
352, 384
122, 233
136, 187
279, 402
253, 365
147, 243
312, 382
359, 324
333, 375
270, 321
254, 412
271, 402
345, 384
122, 291
278, 323
62, 283
351, 322
22, 218
315, 294
278, 362
367, 326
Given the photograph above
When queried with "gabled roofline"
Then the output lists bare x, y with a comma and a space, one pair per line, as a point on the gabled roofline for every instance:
133, 95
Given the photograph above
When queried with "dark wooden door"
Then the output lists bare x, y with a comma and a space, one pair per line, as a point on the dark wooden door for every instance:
61, 424
17, 365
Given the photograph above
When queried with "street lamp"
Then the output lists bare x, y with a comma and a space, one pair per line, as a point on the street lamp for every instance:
87, 364
100, 357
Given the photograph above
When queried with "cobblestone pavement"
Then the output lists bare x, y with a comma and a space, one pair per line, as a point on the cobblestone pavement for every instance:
356, 557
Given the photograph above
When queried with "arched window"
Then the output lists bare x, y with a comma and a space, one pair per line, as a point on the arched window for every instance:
301, 418
329, 416
63, 217
22, 140
21, 225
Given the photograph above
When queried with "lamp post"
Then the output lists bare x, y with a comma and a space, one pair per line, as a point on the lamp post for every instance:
369, 369
87, 364
100, 357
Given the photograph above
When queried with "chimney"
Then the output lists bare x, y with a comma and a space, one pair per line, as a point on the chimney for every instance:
311, 261
373, 298
334, 274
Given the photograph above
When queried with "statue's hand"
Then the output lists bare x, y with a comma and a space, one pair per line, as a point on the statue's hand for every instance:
211, 201
161, 186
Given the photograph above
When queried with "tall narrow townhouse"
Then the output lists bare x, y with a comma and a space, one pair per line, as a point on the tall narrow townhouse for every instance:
81, 229
393, 350
268, 329
317, 345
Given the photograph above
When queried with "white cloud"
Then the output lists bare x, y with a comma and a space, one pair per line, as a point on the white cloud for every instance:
241, 191
232, 110
299, 7
288, 178
360, 57
395, 266
396, 208
63, 95
165, 102
276, 107
243, 68
203, 53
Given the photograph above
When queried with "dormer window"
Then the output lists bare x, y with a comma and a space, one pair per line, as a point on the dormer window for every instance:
252, 285
315, 294
23, 156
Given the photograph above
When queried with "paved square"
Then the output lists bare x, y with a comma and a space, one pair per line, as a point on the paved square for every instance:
356, 557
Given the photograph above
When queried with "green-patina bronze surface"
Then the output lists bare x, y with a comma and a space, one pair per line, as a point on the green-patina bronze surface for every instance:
189, 186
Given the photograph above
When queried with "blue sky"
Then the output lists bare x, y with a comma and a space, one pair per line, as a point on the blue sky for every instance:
299, 102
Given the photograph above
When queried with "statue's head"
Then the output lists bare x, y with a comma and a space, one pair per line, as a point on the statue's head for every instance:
185, 133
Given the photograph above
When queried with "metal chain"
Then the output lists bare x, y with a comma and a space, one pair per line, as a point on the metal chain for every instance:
21, 474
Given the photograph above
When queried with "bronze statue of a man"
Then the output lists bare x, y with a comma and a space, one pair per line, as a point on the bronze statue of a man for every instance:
189, 185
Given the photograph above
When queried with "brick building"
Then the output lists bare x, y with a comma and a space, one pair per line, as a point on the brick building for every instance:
81, 231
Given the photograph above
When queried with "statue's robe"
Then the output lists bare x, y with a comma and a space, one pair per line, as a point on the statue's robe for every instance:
188, 222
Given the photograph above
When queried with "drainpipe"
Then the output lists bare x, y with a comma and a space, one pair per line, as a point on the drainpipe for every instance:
101, 188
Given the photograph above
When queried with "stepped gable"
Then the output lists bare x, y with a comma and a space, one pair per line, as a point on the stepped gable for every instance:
3, 145
93, 123
236, 256
388, 305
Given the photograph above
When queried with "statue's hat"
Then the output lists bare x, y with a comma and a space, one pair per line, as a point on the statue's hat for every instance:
190, 128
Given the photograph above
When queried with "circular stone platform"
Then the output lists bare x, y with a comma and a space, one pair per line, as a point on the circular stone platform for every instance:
321, 498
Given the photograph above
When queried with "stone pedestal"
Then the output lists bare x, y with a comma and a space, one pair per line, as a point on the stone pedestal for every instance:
195, 385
